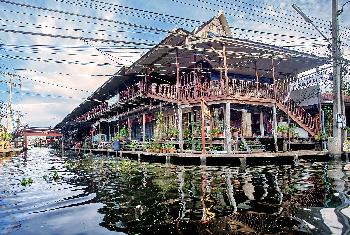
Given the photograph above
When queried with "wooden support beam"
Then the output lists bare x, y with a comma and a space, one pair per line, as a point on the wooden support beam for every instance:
274, 126
180, 126
228, 134
143, 127
129, 128
261, 121
274, 78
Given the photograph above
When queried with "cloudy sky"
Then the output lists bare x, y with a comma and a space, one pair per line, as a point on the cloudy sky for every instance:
49, 48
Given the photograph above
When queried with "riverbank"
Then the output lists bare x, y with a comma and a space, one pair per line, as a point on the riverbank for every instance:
10, 152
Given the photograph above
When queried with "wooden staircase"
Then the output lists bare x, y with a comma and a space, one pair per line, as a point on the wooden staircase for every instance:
298, 114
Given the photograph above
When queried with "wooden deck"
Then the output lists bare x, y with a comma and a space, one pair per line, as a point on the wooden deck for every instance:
260, 158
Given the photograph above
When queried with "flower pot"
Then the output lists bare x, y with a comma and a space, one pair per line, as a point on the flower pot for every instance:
235, 134
284, 135
171, 150
163, 150
116, 145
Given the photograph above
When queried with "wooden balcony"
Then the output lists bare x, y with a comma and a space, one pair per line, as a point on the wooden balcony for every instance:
241, 91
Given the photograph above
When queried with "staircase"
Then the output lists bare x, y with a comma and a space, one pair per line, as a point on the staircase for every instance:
253, 146
298, 114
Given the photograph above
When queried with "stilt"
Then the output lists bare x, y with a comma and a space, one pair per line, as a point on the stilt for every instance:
228, 134
274, 126
143, 127
179, 122
262, 129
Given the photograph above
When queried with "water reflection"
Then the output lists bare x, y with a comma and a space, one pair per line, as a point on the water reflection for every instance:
107, 195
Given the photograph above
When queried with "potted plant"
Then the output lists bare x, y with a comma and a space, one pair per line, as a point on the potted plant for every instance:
170, 147
319, 137
215, 132
282, 130
157, 147
164, 148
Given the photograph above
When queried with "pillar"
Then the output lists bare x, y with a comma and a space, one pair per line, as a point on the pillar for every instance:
144, 127
274, 126
246, 124
179, 122
25, 147
129, 128
262, 129
228, 134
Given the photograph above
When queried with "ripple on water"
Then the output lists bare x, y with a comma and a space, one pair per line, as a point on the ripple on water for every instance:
101, 195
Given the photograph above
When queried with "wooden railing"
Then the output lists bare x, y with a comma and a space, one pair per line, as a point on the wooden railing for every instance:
298, 113
165, 91
251, 89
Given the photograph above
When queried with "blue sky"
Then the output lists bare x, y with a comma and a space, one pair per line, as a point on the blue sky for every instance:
45, 104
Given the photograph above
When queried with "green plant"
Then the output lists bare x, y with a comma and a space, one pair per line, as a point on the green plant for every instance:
169, 146
55, 176
173, 132
282, 128
123, 133
215, 131
7, 136
26, 181
187, 134
133, 144
320, 136
116, 137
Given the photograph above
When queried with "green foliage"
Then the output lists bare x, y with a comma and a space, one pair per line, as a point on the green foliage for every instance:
282, 128
26, 181
215, 131
7, 136
290, 189
169, 146
320, 136
174, 132
123, 132
187, 134
133, 144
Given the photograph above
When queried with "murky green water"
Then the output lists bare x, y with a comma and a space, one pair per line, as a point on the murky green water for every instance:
100, 195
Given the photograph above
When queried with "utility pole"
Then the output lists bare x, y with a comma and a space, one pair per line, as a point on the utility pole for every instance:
338, 112
9, 105
337, 82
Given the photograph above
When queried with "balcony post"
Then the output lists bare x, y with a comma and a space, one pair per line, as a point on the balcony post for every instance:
228, 134
177, 74
257, 79
225, 67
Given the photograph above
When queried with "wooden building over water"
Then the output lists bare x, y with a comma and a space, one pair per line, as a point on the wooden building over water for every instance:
241, 88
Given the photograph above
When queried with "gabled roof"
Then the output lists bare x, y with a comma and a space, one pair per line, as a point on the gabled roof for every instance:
217, 26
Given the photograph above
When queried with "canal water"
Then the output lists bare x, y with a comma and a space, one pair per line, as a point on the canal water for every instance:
43, 192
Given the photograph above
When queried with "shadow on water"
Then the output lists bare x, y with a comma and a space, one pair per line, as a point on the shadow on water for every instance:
94, 194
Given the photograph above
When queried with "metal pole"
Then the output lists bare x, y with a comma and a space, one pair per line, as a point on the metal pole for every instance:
337, 132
